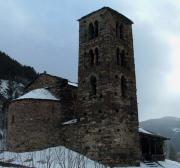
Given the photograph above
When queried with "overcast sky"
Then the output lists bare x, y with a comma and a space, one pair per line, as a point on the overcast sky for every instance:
44, 34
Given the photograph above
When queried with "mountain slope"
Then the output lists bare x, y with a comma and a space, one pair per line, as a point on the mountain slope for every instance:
166, 126
10, 69
13, 78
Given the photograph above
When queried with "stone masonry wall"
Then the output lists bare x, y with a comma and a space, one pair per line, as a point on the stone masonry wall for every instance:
109, 119
55, 84
33, 124
60, 88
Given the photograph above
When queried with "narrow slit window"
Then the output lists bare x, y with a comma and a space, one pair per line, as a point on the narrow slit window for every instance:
123, 86
117, 29
96, 28
84, 59
12, 120
97, 56
93, 83
123, 58
91, 56
118, 56
91, 31
121, 31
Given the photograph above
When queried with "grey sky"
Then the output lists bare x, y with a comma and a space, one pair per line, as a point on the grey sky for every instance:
44, 34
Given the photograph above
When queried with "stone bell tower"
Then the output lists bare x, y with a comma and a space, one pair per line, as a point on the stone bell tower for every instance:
107, 88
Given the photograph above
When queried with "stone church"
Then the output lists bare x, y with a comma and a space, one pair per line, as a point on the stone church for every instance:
98, 117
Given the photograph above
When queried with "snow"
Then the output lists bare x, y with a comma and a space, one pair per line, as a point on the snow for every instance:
4, 87
144, 131
176, 130
72, 83
70, 122
38, 94
61, 157
10, 89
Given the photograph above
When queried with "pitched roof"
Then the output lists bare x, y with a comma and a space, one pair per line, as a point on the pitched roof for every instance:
42, 94
149, 133
44, 74
110, 10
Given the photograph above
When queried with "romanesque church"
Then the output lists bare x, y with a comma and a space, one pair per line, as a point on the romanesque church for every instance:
98, 117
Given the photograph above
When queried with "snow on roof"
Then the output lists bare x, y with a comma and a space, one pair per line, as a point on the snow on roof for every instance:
73, 121
41, 93
72, 84
144, 131
62, 157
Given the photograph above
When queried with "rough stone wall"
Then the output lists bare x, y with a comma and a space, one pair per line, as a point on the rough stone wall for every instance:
55, 84
68, 99
33, 124
109, 120
37, 123
60, 88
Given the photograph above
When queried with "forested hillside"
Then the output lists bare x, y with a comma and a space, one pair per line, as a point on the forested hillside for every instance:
12, 70
13, 78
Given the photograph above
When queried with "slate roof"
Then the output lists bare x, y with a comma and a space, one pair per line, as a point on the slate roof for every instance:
111, 11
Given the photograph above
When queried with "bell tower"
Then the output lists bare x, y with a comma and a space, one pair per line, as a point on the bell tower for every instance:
107, 88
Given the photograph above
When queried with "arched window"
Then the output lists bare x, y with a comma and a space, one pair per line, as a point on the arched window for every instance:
91, 56
117, 29
123, 86
121, 31
93, 83
118, 56
123, 58
96, 28
97, 56
91, 31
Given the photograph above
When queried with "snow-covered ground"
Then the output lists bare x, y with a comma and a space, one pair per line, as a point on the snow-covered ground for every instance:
60, 157
176, 130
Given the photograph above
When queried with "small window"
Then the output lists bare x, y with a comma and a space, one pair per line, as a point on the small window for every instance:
123, 58
91, 31
91, 56
121, 31
118, 56
100, 96
84, 58
97, 56
87, 148
123, 86
117, 29
96, 28
93, 83
12, 120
